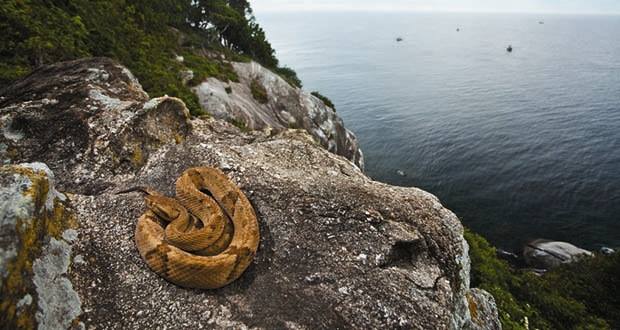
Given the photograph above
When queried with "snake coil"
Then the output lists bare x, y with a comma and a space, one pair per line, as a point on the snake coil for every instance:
204, 238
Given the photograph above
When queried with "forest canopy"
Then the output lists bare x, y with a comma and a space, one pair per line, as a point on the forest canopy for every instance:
147, 36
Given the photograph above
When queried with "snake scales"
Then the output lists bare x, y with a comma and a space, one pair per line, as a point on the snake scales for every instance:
204, 238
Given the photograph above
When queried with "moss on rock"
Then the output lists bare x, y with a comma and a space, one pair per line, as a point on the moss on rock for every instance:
259, 92
31, 213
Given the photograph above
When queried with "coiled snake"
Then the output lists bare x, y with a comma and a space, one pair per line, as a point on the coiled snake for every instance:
204, 238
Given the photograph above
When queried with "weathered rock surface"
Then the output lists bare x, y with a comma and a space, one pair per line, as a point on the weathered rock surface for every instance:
286, 107
607, 251
36, 234
337, 249
89, 120
483, 310
546, 254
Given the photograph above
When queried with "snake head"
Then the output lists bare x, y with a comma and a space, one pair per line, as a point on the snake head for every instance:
144, 190
166, 208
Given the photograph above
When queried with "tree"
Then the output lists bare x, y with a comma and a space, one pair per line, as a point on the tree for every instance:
37, 33
144, 35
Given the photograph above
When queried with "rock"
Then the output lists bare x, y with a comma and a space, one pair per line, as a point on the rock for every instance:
337, 249
508, 256
35, 251
546, 254
483, 311
186, 76
103, 125
607, 251
286, 107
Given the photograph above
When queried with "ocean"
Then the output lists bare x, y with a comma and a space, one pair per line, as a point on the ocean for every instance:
519, 145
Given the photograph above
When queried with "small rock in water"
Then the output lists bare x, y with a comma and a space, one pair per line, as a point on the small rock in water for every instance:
401, 173
507, 255
607, 251
545, 254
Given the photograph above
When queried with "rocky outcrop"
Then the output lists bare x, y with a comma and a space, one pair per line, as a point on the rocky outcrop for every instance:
277, 107
546, 254
483, 311
89, 120
337, 249
37, 230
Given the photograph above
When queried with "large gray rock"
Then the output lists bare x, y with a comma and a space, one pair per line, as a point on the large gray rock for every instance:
546, 254
286, 107
37, 230
89, 120
483, 311
337, 249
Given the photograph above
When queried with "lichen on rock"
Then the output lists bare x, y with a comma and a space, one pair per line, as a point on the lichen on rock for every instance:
58, 303
32, 213
483, 311
102, 124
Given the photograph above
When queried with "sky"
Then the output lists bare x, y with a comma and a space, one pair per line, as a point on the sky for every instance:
535, 6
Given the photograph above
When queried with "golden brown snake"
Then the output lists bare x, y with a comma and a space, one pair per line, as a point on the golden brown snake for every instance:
204, 238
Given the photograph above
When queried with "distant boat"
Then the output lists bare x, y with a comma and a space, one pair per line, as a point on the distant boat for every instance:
509, 49
399, 39
541, 22
457, 29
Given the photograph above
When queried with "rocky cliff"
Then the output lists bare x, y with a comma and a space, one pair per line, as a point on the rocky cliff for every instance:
262, 100
337, 249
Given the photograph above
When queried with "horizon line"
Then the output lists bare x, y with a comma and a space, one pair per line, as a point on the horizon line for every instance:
419, 10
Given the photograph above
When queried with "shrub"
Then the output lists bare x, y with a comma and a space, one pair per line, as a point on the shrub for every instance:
205, 67
240, 125
289, 75
259, 92
580, 295
325, 100
143, 35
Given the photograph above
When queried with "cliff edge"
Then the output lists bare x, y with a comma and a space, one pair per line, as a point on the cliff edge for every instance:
262, 100
337, 249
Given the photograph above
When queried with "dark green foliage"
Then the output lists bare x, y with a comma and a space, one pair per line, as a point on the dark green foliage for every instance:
289, 75
325, 100
259, 92
580, 295
35, 33
240, 125
236, 28
494, 275
595, 282
144, 35
204, 67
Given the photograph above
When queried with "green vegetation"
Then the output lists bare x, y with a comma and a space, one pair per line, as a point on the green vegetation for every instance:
289, 75
581, 295
325, 100
259, 92
144, 35
240, 125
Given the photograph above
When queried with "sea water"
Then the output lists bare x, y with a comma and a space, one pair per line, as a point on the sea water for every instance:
520, 145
